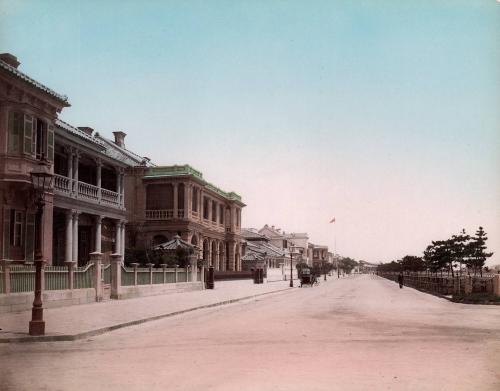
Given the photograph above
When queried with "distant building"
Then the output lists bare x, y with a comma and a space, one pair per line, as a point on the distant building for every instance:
258, 249
318, 254
297, 241
176, 200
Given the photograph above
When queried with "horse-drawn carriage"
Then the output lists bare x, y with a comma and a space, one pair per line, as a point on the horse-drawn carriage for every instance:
308, 278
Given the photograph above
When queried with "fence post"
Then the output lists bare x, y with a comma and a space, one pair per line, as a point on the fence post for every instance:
496, 285
202, 275
71, 274
468, 285
135, 266
6, 275
175, 279
150, 265
193, 260
116, 276
164, 266
96, 258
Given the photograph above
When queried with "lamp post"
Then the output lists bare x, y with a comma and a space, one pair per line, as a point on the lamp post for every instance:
291, 264
41, 178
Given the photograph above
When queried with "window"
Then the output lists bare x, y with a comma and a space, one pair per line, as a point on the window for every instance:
16, 125
194, 206
16, 228
238, 217
31, 136
285, 244
205, 208
221, 214
214, 211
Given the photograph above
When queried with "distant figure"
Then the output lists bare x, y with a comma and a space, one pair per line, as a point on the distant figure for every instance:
401, 280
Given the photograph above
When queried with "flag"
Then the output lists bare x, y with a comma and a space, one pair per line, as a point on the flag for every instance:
332, 220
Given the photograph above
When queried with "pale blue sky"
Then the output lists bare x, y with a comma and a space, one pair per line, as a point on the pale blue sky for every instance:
382, 113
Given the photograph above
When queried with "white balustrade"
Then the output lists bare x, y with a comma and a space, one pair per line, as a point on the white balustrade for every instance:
109, 197
86, 190
160, 214
62, 183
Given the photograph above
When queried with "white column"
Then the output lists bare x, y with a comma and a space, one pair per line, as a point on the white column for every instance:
69, 237
118, 237
98, 236
123, 239
176, 199
187, 208
70, 170
98, 175
75, 237
122, 189
75, 172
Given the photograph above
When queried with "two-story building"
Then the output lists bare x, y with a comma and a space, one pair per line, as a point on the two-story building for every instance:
176, 200
85, 210
89, 193
28, 114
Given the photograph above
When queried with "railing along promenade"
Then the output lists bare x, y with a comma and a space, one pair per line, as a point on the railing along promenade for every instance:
18, 278
441, 283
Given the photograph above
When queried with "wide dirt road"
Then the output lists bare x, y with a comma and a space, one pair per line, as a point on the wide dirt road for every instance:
358, 333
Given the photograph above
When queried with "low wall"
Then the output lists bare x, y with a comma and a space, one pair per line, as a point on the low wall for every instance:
233, 275
128, 292
15, 302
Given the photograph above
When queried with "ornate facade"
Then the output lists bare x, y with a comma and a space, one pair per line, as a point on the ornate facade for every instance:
177, 200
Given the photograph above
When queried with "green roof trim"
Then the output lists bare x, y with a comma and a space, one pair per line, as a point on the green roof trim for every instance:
186, 169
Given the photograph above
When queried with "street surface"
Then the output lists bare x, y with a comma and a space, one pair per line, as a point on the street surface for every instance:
356, 333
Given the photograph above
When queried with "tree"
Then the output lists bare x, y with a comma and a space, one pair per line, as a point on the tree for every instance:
460, 250
477, 250
347, 264
412, 263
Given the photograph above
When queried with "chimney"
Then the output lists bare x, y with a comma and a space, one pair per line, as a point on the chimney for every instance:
86, 130
120, 138
10, 59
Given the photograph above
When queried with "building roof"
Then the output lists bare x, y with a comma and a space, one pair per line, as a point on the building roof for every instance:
78, 133
252, 234
187, 170
174, 244
20, 75
128, 157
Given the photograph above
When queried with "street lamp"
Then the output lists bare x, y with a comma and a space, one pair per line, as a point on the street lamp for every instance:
291, 264
41, 178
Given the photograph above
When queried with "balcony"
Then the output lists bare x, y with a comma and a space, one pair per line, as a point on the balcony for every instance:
85, 191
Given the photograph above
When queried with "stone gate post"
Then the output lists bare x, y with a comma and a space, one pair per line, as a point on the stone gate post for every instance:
116, 276
96, 259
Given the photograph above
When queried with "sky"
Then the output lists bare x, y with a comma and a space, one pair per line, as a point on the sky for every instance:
382, 114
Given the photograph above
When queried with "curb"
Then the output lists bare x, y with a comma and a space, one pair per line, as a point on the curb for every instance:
103, 330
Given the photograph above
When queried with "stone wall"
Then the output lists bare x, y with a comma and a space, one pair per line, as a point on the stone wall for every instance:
15, 302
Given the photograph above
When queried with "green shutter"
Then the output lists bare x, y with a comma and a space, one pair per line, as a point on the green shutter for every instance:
50, 143
6, 233
29, 237
15, 132
29, 135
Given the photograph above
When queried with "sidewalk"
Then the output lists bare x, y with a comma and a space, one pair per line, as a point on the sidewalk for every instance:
82, 321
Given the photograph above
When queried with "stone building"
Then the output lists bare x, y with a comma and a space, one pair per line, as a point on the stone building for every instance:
89, 193
318, 254
176, 200
85, 210
28, 113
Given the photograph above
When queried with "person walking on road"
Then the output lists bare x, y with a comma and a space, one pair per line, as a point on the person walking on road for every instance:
401, 280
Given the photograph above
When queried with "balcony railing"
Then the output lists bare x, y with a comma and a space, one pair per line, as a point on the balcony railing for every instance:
86, 191
160, 214
109, 197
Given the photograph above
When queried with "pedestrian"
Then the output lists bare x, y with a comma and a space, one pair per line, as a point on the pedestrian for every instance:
401, 280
